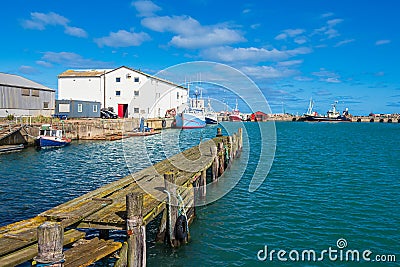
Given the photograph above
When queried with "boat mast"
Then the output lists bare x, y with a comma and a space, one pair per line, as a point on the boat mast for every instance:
310, 107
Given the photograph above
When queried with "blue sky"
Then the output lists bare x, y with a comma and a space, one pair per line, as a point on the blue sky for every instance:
293, 50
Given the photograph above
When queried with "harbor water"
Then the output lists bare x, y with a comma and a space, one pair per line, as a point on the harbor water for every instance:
329, 182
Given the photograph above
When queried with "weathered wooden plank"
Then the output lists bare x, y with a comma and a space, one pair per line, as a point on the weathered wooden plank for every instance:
19, 235
31, 251
88, 253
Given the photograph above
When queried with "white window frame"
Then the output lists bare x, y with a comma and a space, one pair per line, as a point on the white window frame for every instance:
94, 108
80, 108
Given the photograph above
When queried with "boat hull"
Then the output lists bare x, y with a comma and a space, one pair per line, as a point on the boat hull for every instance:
190, 121
326, 119
49, 142
235, 118
211, 120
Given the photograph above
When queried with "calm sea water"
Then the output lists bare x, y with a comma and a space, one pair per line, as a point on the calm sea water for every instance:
327, 182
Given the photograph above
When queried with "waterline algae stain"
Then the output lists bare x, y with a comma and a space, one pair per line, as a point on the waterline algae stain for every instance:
327, 182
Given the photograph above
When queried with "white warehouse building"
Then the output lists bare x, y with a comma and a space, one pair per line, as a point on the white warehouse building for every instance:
131, 93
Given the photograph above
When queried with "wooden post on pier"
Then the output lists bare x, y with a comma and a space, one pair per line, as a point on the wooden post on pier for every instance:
50, 244
230, 142
235, 144
136, 231
219, 132
214, 165
160, 238
170, 187
221, 158
240, 139
203, 183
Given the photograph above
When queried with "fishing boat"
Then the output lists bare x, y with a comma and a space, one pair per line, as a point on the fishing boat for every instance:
235, 115
331, 116
210, 115
49, 138
193, 116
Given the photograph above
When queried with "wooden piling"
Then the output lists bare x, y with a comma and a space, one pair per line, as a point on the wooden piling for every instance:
136, 231
240, 137
221, 158
230, 142
219, 132
50, 244
214, 165
203, 183
170, 187
234, 145
160, 238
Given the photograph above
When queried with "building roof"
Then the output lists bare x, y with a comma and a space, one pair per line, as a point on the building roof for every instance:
18, 81
83, 73
260, 113
100, 72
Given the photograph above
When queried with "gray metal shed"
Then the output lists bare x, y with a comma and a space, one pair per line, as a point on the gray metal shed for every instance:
22, 97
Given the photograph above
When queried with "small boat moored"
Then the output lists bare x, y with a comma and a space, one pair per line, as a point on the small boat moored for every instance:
50, 138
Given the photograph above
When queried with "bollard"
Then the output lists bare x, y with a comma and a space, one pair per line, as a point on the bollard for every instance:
50, 244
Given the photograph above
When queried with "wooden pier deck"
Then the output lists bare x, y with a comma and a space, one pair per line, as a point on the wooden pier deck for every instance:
106, 208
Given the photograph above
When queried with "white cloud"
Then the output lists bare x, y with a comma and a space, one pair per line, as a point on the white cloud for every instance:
289, 33
332, 80
123, 38
327, 15
191, 34
255, 26
300, 40
327, 76
39, 21
230, 54
72, 60
245, 11
281, 36
44, 64
344, 42
215, 37
74, 31
268, 72
334, 22
27, 70
146, 8
382, 42
290, 63
328, 30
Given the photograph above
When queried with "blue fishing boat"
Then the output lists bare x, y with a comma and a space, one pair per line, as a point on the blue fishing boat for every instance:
49, 138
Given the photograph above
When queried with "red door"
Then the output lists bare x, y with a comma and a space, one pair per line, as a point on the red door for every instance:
121, 110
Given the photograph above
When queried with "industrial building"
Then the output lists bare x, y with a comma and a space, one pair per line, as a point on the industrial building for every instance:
130, 93
22, 97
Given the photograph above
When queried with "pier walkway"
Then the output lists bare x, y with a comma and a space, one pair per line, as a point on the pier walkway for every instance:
172, 188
